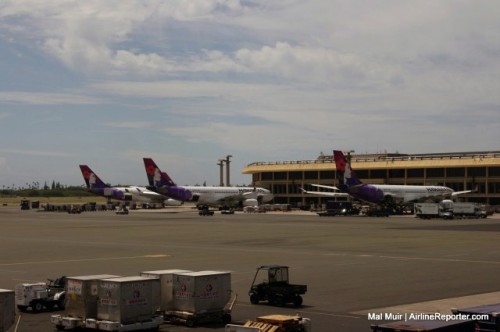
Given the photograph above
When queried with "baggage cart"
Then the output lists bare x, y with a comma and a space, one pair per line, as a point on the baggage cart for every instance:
422, 326
191, 319
491, 314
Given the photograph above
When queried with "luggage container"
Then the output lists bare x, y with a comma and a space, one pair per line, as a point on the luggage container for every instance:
166, 286
7, 309
491, 313
127, 300
422, 326
200, 297
81, 301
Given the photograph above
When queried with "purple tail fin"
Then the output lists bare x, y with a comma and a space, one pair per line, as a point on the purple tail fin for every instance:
91, 179
343, 166
156, 177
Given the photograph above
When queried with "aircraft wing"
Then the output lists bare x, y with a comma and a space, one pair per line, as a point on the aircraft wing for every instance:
326, 187
456, 193
324, 193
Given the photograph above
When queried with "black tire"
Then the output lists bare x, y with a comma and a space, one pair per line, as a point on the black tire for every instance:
254, 298
279, 301
297, 301
60, 302
59, 327
22, 308
190, 322
37, 306
226, 318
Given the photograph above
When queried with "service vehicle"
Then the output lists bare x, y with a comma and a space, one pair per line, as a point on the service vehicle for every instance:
38, 296
335, 208
448, 209
433, 210
275, 323
275, 287
467, 210
206, 212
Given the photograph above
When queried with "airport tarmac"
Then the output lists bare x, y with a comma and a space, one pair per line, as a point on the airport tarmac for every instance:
353, 266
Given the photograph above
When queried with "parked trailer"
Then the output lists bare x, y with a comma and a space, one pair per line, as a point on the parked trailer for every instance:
81, 301
491, 311
201, 297
422, 326
7, 309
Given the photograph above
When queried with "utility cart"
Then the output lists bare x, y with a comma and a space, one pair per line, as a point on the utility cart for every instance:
275, 287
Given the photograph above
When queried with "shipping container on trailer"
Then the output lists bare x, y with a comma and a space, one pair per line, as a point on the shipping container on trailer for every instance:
200, 297
127, 299
81, 301
7, 309
166, 278
489, 311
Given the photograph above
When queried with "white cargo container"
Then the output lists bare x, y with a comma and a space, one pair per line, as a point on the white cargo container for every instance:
202, 291
127, 299
81, 295
166, 278
7, 309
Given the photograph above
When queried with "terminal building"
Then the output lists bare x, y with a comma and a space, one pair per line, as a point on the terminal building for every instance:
478, 171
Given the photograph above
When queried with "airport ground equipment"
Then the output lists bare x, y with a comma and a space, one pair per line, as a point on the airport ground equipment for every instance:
205, 212
227, 211
81, 301
38, 296
166, 278
123, 304
430, 325
275, 287
342, 208
7, 309
273, 323
433, 210
491, 311
122, 210
449, 210
201, 297
468, 210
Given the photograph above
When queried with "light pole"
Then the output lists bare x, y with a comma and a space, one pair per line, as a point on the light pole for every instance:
221, 166
228, 183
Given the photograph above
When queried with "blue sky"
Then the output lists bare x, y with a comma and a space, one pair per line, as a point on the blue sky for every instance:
186, 83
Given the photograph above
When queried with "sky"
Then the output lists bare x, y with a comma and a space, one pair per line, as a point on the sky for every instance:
106, 83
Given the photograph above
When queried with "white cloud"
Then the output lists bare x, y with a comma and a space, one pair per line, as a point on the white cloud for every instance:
41, 98
265, 79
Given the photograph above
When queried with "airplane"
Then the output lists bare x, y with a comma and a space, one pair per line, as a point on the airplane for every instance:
130, 193
385, 194
204, 196
324, 193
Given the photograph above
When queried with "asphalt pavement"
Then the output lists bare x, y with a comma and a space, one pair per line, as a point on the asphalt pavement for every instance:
353, 266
